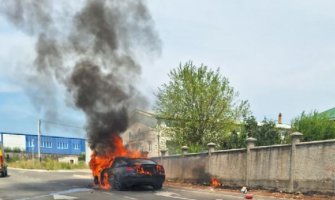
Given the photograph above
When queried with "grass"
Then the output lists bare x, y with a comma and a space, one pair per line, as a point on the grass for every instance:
47, 164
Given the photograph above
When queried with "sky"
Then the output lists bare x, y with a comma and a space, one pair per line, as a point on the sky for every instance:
279, 55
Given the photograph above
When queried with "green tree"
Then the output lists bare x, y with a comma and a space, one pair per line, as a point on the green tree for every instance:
200, 105
235, 140
266, 133
314, 126
250, 126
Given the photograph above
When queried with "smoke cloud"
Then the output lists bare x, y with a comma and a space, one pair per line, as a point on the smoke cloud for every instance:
91, 50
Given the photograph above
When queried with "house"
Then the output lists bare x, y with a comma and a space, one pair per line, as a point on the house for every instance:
145, 133
330, 114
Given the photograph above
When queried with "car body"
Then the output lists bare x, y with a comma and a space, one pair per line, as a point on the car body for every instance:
3, 166
126, 172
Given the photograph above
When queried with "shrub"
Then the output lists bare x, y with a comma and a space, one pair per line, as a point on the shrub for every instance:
314, 126
47, 163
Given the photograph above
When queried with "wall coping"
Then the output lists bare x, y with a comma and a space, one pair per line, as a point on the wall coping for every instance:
202, 153
316, 142
253, 148
196, 154
229, 150
180, 155
169, 156
272, 146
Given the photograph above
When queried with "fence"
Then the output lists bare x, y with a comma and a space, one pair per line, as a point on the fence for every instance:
304, 167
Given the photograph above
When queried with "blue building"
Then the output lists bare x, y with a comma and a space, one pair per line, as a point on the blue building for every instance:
49, 144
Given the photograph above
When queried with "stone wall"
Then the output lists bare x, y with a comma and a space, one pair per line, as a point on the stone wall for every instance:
304, 167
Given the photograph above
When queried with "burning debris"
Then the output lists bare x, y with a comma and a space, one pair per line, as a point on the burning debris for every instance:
215, 183
90, 50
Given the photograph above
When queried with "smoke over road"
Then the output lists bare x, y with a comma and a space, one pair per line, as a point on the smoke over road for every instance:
91, 50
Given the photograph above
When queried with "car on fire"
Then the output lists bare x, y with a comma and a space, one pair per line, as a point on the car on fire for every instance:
126, 172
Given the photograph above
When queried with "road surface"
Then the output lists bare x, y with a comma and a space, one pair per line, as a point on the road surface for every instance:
47, 185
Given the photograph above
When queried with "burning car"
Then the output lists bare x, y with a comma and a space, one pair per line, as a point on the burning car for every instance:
121, 168
126, 172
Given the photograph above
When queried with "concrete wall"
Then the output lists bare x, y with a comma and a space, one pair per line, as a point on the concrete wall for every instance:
228, 166
303, 167
315, 166
69, 159
270, 167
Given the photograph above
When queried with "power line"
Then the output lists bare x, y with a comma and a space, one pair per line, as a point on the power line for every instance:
62, 124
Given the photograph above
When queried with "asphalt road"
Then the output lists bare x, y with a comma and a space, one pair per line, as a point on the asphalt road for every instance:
46, 185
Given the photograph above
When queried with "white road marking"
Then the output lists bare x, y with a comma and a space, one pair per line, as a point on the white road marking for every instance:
131, 198
126, 197
57, 196
206, 191
74, 190
60, 193
171, 195
82, 176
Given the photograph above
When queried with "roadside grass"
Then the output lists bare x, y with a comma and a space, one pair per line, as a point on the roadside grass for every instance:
47, 164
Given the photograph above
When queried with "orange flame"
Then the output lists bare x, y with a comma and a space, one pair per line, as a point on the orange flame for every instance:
100, 162
141, 170
215, 183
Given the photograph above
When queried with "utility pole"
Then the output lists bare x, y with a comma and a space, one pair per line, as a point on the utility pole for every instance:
158, 140
39, 139
32, 151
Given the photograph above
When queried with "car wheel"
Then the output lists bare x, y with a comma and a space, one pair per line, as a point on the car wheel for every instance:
117, 184
102, 176
96, 180
157, 186
5, 173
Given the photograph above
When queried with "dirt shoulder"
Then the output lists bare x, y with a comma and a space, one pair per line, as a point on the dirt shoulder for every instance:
254, 192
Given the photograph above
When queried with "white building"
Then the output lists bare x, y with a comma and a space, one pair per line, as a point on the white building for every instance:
145, 133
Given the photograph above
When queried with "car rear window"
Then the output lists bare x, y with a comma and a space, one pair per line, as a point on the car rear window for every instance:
141, 161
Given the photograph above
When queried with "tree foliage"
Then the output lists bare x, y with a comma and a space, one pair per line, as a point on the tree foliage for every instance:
235, 140
266, 132
314, 126
199, 104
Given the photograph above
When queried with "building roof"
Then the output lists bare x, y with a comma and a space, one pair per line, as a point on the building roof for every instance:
330, 114
143, 117
280, 126
41, 135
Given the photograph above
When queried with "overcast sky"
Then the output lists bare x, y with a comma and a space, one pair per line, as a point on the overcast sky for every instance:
279, 55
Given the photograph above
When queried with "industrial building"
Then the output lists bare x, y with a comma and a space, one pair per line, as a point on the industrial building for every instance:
49, 144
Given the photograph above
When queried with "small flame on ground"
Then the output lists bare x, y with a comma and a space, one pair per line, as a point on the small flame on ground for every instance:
215, 183
100, 162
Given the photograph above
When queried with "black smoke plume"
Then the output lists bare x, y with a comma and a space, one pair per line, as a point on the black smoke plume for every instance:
91, 50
